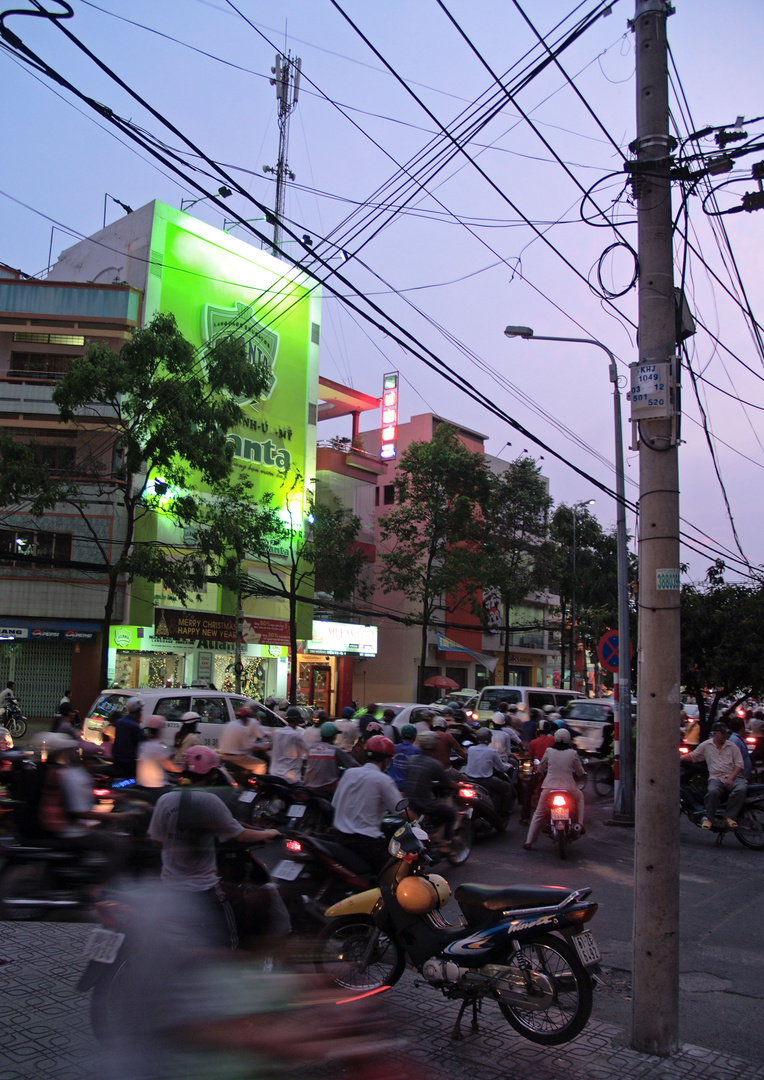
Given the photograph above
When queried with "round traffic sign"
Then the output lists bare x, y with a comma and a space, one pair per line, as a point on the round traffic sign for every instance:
607, 650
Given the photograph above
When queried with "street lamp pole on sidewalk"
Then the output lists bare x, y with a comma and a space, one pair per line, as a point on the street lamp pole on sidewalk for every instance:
624, 755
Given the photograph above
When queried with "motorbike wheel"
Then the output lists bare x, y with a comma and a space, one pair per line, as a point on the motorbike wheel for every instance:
342, 947
604, 778
461, 843
562, 842
567, 1015
750, 828
21, 880
17, 726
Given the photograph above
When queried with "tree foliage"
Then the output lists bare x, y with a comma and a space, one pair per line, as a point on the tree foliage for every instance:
433, 534
722, 643
514, 553
167, 413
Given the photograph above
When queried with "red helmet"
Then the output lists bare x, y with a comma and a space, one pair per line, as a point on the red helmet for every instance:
245, 711
380, 744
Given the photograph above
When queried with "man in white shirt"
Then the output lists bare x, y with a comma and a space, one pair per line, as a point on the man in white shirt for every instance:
240, 737
288, 751
154, 760
725, 775
362, 799
483, 763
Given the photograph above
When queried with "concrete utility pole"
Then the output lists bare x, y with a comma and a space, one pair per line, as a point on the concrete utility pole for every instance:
287, 82
655, 409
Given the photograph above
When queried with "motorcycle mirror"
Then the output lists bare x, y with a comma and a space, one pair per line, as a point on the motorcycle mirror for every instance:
401, 806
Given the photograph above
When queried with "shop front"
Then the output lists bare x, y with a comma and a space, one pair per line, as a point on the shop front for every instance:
186, 647
325, 664
45, 657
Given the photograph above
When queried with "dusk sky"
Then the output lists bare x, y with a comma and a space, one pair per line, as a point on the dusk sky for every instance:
453, 244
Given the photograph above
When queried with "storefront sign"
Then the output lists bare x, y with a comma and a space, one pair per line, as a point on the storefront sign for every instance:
341, 639
15, 632
58, 631
265, 632
183, 625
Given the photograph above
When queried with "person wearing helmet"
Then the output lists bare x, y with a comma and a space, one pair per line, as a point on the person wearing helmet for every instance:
154, 759
388, 727
447, 744
427, 783
504, 738
362, 799
312, 733
486, 768
536, 750
187, 735
560, 767
725, 775
424, 720
405, 750
499, 718
288, 751
187, 822
349, 731
243, 742
326, 760
128, 735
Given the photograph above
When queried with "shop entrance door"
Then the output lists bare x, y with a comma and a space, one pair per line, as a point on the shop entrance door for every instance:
316, 685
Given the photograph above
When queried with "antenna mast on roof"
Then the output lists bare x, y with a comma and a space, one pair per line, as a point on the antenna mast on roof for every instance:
286, 79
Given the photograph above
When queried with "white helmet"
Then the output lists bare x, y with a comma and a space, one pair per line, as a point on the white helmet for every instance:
562, 735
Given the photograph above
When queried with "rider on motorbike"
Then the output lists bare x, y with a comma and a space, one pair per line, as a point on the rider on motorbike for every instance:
362, 799
561, 766
725, 775
240, 737
426, 781
325, 761
485, 767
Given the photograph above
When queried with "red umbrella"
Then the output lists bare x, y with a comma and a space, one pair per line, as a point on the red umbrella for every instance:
442, 682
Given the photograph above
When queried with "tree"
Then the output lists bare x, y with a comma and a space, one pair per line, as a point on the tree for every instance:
292, 542
515, 529
722, 643
434, 532
167, 412
596, 575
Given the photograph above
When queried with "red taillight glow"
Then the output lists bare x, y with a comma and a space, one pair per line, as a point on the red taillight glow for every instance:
467, 793
684, 749
751, 741
101, 792
293, 845
559, 800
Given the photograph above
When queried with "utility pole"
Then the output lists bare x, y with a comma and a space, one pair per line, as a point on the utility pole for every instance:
287, 82
655, 408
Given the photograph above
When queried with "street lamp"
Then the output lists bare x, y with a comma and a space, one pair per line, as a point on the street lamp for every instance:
573, 627
624, 757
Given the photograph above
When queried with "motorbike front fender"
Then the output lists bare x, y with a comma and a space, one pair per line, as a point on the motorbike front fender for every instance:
360, 904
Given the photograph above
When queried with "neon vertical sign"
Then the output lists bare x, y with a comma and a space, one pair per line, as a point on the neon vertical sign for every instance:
389, 434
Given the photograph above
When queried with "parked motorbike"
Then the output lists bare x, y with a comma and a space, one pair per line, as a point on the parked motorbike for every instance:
11, 718
524, 947
750, 822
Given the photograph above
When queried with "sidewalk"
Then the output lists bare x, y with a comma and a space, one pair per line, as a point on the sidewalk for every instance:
46, 1029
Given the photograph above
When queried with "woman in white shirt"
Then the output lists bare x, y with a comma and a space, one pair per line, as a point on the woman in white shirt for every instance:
561, 767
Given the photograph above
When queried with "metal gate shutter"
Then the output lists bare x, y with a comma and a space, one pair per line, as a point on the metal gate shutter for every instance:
43, 672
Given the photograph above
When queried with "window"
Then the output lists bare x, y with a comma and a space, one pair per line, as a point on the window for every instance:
35, 549
211, 709
389, 494
51, 339
376, 496
31, 365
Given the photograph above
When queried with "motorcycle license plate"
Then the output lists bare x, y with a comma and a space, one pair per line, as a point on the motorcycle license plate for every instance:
560, 813
586, 947
103, 945
247, 796
296, 810
286, 870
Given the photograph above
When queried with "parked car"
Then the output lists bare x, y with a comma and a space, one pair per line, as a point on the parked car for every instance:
406, 713
590, 717
525, 697
464, 699
214, 707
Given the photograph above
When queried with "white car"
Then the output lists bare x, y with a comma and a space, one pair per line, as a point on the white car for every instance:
405, 712
214, 707
589, 717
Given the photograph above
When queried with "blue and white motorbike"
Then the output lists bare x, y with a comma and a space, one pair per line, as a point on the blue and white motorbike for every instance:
524, 947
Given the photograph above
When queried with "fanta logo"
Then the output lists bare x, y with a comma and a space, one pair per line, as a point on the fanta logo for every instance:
240, 321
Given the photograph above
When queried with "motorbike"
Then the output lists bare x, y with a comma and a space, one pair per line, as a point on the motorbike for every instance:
475, 800
562, 827
750, 822
278, 804
11, 718
523, 947
110, 974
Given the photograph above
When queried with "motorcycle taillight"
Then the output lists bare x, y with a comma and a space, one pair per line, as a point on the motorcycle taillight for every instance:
467, 793
558, 800
293, 845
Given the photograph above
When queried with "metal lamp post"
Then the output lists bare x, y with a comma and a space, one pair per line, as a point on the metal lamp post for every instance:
573, 626
624, 757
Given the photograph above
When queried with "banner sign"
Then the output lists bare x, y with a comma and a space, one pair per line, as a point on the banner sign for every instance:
184, 625
341, 639
265, 632
446, 644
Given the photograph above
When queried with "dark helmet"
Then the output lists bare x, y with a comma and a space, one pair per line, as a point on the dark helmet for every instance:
380, 746
328, 730
408, 731
427, 740
484, 734
347, 713
293, 713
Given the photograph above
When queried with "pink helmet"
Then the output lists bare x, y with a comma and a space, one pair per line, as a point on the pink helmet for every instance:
156, 723
201, 760
380, 745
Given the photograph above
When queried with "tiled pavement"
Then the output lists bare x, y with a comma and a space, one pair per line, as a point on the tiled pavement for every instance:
46, 1031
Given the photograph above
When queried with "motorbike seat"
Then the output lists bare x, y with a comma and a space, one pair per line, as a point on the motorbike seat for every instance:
508, 897
755, 791
343, 855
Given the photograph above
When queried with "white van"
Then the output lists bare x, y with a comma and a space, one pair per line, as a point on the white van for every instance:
214, 707
525, 697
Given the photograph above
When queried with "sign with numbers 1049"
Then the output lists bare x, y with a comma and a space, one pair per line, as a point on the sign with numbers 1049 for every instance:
650, 393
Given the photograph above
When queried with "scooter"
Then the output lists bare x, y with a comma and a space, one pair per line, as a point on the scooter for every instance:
523, 947
11, 718
750, 822
563, 827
